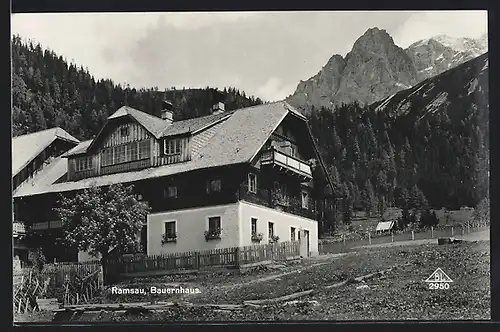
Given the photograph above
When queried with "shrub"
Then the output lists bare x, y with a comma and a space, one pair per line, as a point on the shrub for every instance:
37, 258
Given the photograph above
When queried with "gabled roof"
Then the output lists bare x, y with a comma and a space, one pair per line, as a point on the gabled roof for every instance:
79, 149
152, 123
238, 137
26, 147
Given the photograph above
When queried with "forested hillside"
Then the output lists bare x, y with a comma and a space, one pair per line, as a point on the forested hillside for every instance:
428, 145
421, 147
49, 92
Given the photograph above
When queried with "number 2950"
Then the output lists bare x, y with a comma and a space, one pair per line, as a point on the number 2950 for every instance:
439, 285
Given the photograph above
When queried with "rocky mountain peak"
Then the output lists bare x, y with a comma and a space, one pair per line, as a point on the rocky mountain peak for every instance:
376, 68
373, 40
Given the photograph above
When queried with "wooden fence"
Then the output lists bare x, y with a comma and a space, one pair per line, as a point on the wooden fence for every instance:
346, 242
70, 283
234, 257
25, 292
60, 272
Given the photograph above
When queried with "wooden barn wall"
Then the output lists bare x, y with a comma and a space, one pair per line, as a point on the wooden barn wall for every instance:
136, 133
185, 154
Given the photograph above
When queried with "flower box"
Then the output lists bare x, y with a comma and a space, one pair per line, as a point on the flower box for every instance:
257, 237
168, 239
274, 239
212, 235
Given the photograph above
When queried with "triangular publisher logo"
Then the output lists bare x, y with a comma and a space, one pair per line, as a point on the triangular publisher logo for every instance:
438, 276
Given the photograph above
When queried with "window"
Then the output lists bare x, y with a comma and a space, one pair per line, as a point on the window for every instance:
125, 153
214, 186
171, 192
254, 225
252, 183
120, 154
83, 164
172, 147
271, 229
305, 200
292, 233
107, 157
139, 197
144, 149
132, 151
280, 188
124, 131
170, 231
214, 225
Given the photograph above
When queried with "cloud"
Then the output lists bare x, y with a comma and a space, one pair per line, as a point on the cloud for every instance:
264, 54
274, 89
423, 25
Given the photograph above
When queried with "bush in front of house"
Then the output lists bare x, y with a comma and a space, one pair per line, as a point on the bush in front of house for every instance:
37, 259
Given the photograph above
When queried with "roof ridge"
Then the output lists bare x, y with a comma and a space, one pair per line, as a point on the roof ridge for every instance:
37, 132
150, 115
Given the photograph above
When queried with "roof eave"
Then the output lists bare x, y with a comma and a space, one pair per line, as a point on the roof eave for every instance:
19, 169
251, 160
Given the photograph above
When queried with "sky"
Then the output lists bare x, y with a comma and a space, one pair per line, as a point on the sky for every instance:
265, 54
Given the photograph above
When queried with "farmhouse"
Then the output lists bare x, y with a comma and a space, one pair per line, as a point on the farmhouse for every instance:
227, 179
30, 153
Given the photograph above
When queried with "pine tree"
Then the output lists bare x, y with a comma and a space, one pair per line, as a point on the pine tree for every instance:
368, 199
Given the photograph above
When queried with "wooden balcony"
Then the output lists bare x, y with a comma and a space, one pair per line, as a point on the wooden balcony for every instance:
287, 164
280, 202
40, 226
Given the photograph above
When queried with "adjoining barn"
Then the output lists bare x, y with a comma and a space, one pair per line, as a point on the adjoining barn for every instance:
384, 226
389, 219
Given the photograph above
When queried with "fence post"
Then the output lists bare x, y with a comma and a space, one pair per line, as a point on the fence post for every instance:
392, 237
237, 260
463, 231
432, 232
412, 235
343, 239
468, 228
452, 231
369, 238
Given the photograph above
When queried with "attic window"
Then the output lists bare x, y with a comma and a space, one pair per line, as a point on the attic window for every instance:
83, 164
172, 147
124, 131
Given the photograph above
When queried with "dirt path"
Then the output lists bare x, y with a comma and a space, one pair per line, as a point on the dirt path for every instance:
321, 260
476, 236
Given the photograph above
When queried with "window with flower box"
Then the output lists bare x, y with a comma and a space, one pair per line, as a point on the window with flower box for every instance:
214, 228
170, 233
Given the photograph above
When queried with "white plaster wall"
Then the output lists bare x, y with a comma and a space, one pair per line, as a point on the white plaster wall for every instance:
282, 223
190, 227
84, 256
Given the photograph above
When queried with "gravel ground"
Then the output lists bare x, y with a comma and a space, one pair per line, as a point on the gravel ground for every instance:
399, 294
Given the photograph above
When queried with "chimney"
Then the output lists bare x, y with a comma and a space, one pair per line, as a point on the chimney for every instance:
167, 113
218, 108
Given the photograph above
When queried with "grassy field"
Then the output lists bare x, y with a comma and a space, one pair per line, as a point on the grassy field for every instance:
398, 294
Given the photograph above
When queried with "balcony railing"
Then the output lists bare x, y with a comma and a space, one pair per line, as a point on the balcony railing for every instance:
39, 226
18, 228
287, 162
282, 202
